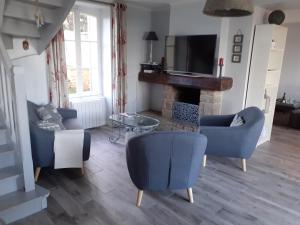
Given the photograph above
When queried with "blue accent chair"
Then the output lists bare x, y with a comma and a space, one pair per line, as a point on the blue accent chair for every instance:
42, 141
236, 142
165, 161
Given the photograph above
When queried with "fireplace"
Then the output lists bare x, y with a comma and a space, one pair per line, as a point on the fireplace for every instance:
188, 95
200, 89
209, 102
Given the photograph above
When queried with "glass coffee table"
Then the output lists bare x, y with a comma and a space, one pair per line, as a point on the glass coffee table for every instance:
133, 124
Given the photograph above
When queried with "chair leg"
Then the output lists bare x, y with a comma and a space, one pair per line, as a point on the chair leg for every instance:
37, 173
139, 198
190, 194
82, 169
204, 160
244, 165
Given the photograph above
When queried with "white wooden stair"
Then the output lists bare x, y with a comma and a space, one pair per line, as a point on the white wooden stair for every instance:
19, 204
18, 20
15, 203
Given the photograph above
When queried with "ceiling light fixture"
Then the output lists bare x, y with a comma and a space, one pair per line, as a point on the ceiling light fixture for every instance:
228, 8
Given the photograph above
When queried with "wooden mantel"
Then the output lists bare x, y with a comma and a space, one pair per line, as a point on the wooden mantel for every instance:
204, 82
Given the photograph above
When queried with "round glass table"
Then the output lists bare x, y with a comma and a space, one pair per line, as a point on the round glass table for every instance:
132, 123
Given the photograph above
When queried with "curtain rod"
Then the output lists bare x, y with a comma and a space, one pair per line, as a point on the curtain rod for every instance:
99, 2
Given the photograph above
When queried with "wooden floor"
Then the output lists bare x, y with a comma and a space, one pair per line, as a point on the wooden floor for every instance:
269, 193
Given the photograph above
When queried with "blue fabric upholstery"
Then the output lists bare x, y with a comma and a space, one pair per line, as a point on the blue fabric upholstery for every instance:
42, 141
236, 142
165, 160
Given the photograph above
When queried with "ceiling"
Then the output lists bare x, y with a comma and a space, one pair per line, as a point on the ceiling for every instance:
268, 4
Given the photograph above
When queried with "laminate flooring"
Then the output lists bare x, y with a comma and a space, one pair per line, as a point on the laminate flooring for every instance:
269, 193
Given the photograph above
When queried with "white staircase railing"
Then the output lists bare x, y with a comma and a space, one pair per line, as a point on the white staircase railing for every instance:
14, 108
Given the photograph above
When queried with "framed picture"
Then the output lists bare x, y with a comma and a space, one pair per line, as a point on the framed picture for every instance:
237, 49
238, 39
236, 58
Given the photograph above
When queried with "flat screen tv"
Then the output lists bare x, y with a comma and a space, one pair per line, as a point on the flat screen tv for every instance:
190, 54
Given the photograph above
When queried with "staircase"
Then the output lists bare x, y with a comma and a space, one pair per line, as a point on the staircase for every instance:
18, 20
19, 196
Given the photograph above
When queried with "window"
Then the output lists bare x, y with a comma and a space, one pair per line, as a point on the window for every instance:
82, 46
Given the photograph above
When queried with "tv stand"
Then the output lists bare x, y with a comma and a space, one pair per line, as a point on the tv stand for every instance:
199, 81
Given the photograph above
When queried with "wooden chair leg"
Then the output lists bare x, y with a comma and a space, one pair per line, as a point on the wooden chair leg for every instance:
244, 165
139, 198
204, 160
82, 169
190, 194
37, 173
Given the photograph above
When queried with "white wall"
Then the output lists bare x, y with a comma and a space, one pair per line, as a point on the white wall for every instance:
290, 75
160, 21
34, 65
234, 99
138, 23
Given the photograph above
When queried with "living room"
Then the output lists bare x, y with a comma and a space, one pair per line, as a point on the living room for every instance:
130, 85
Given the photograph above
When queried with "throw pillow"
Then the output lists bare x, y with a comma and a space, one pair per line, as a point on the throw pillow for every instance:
50, 114
46, 125
237, 121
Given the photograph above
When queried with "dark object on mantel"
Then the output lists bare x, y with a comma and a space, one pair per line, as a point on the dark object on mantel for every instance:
151, 67
205, 82
276, 17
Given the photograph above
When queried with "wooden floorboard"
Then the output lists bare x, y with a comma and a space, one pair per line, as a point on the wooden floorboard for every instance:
269, 193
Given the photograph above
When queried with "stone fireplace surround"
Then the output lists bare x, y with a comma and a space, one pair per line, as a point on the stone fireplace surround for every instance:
204, 90
209, 101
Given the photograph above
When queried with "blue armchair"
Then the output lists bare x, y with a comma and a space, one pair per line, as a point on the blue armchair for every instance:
42, 141
165, 160
236, 142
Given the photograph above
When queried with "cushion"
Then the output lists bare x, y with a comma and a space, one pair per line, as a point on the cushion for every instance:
237, 121
49, 113
46, 125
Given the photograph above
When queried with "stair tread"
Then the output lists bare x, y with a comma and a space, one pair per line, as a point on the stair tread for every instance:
18, 197
7, 172
6, 148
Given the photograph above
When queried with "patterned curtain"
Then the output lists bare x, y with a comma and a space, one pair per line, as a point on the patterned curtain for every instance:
119, 58
57, 71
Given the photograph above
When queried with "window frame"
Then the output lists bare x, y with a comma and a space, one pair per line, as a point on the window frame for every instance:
77, 10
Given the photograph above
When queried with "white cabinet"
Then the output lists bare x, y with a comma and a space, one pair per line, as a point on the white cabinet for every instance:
265, 70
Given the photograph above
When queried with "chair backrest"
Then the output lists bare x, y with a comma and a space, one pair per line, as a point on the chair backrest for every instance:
32, 113
165, 160
252, 116
187, 113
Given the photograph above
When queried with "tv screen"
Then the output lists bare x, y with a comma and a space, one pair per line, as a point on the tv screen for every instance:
192, 54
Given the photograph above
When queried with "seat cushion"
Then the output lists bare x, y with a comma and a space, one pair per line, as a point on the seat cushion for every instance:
72, 124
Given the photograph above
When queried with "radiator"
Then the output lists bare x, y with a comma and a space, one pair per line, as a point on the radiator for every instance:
90, 112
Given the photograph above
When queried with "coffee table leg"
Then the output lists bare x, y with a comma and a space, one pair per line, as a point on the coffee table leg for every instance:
113, 139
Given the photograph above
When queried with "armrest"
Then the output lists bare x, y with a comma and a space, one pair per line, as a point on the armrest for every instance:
42, 142
67, 113
223, 120
229, 141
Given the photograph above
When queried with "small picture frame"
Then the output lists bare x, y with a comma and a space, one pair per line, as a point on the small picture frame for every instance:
236, 58
237, 49
238, 39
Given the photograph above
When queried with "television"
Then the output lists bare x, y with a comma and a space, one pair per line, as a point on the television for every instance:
190, 54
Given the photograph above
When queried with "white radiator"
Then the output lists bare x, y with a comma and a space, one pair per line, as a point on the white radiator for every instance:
90, 112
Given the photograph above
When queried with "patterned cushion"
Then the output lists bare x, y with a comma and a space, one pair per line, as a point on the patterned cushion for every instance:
237, 121
186, 113
51, 126
49, 113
